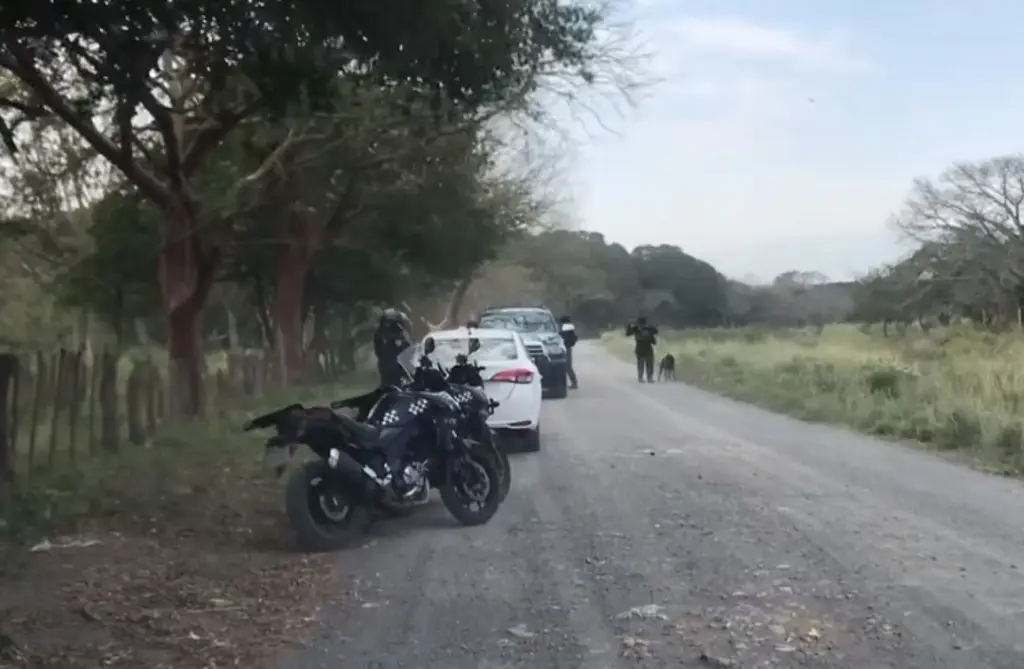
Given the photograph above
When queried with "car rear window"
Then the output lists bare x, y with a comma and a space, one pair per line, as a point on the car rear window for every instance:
521, 321
491, 348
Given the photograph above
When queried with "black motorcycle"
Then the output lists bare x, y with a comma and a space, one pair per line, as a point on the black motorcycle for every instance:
468, 390
465, 385
328, 500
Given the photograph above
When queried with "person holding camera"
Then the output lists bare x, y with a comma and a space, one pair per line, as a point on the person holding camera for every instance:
646, 338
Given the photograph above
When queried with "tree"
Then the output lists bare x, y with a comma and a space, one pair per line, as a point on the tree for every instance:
695, 290
602, 285
969, 222
46, 202
115, 281
582, 274
882, 297
154, 88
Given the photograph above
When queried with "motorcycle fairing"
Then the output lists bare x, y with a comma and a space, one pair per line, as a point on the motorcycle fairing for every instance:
398, 409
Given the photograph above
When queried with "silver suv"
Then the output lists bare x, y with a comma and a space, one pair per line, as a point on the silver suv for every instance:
540, 332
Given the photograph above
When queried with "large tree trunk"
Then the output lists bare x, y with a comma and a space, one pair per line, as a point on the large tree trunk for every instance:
451, 315
289, 292
305, 239
187, 270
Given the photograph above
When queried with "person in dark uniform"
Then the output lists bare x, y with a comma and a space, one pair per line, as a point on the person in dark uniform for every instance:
390, 339
569, 336
646, 338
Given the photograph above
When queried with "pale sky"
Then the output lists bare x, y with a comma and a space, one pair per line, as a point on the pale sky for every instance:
786, 131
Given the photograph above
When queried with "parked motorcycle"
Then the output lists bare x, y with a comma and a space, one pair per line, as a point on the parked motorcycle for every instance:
466, 387
328, 499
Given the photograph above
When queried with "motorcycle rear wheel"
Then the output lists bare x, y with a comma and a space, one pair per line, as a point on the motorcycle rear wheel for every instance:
472, 488
322, 511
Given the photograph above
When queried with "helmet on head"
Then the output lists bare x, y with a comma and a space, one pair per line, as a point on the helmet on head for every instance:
392, 316
565, 319
642, 320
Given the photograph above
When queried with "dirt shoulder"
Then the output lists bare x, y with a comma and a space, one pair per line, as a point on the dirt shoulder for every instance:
174, 555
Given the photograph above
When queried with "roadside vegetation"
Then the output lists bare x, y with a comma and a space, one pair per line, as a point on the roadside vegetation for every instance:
927, 349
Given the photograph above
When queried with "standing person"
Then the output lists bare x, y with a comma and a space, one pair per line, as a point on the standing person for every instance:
568, 332
646, 338
390, 339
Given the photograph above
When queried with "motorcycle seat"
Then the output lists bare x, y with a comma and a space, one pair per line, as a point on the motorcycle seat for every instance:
364, 434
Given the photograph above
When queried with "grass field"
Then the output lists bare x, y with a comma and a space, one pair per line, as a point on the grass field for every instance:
195, 465
957, 390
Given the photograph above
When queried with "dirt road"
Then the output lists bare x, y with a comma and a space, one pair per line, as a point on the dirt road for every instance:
665, 527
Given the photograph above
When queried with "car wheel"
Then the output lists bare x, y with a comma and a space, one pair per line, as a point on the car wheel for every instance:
531, 440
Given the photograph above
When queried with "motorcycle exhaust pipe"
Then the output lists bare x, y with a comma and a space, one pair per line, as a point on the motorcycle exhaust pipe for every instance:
346, 464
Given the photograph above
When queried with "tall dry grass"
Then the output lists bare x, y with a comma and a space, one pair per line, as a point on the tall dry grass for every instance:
957, 389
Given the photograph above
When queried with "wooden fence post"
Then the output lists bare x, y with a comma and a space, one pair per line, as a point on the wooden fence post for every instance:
95, 374
153, 398
133, 404
110, 432
8, 373
15, 411
75, 401
38, 402
257, 375
59, 395
161, 395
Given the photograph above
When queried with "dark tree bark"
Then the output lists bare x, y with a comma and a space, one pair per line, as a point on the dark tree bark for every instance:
188, 268
304, 240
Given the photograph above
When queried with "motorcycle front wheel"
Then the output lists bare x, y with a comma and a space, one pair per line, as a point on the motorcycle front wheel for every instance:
501, 460
506, 472
322, 510
472, 488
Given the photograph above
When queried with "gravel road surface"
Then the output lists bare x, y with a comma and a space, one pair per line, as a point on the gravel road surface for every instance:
662, 526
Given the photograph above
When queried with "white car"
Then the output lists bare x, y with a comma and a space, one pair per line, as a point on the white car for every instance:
510, 377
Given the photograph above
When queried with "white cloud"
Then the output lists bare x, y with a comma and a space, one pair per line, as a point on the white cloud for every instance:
738, 38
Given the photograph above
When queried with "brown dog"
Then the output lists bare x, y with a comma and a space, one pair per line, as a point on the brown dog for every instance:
667, 368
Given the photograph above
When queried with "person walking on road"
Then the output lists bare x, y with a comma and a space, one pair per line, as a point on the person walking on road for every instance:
568, 332
646, 338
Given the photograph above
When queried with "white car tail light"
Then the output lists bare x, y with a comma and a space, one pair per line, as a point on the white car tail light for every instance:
520, 375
